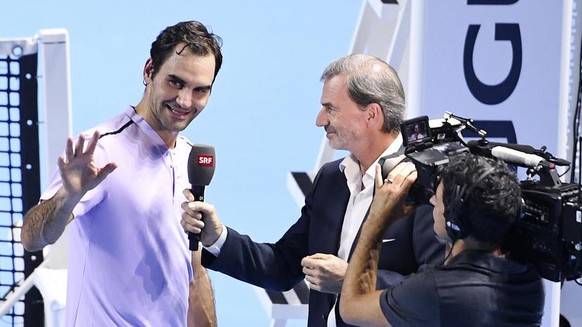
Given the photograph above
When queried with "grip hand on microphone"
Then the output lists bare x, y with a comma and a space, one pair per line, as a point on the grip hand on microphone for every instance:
201, 164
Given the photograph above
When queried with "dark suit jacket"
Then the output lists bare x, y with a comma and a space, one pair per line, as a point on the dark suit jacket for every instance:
277, 267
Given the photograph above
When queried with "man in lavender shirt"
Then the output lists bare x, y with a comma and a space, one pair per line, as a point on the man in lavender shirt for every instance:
119, 188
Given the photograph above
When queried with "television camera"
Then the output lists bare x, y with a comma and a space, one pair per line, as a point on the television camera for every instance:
548, 233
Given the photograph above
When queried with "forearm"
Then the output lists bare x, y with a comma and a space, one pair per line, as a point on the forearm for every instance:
359, 301
201, 306
44, 223
364, 261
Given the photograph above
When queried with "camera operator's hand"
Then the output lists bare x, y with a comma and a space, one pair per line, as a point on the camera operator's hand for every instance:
200, 218
388, 202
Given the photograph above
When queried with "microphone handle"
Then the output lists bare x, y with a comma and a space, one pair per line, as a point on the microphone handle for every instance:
194, 239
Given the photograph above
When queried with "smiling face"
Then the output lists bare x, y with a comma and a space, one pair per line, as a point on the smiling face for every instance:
343, 121
178, 93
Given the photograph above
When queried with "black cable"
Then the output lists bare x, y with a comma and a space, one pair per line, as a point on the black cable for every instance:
579, 170
576, 120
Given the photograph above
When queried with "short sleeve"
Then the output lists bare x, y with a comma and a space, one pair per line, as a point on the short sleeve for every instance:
413, 302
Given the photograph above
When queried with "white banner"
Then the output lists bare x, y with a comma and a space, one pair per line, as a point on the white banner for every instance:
492, 60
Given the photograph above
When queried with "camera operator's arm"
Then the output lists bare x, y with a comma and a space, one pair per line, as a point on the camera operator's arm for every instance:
359, 300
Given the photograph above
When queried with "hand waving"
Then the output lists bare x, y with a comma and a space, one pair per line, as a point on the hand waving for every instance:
77, 167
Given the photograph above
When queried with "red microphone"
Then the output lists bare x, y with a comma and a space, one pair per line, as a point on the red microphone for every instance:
201, 164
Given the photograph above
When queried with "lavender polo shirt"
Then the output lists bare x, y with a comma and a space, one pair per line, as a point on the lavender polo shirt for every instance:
129, 262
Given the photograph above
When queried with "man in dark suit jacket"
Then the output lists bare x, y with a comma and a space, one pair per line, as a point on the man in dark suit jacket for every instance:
362, 108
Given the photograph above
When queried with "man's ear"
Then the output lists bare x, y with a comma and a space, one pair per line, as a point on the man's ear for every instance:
148, 71
375, 115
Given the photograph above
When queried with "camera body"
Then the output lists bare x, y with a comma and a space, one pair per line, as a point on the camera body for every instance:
548, 233
440, 139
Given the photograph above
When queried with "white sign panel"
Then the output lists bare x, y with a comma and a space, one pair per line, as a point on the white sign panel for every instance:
493, 60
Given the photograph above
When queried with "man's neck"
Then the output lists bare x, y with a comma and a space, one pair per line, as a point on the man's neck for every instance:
470, 245
371, 151
169, 137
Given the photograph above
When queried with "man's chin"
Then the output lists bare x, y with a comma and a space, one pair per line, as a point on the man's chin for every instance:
333, 145
332, 140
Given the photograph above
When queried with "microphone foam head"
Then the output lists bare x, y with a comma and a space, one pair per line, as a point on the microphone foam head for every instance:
201, 164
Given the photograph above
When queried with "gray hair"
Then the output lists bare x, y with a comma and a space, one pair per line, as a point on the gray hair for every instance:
371, 80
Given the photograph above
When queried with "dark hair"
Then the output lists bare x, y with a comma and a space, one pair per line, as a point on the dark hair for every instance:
492, 204
194, 35
371, 80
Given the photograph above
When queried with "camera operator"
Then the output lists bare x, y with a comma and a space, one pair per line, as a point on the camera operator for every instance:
476, 201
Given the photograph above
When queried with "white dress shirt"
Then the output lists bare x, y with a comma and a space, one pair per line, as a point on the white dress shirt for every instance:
361, 193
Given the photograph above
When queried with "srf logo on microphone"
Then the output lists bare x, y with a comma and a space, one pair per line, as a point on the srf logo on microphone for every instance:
205, 160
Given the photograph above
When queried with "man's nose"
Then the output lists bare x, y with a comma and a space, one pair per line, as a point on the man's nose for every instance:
321, 119
184, 98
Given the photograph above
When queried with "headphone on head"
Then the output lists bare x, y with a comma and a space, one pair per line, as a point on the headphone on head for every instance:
454, 225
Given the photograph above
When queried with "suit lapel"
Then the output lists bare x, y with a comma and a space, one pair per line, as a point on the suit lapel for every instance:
336, 196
